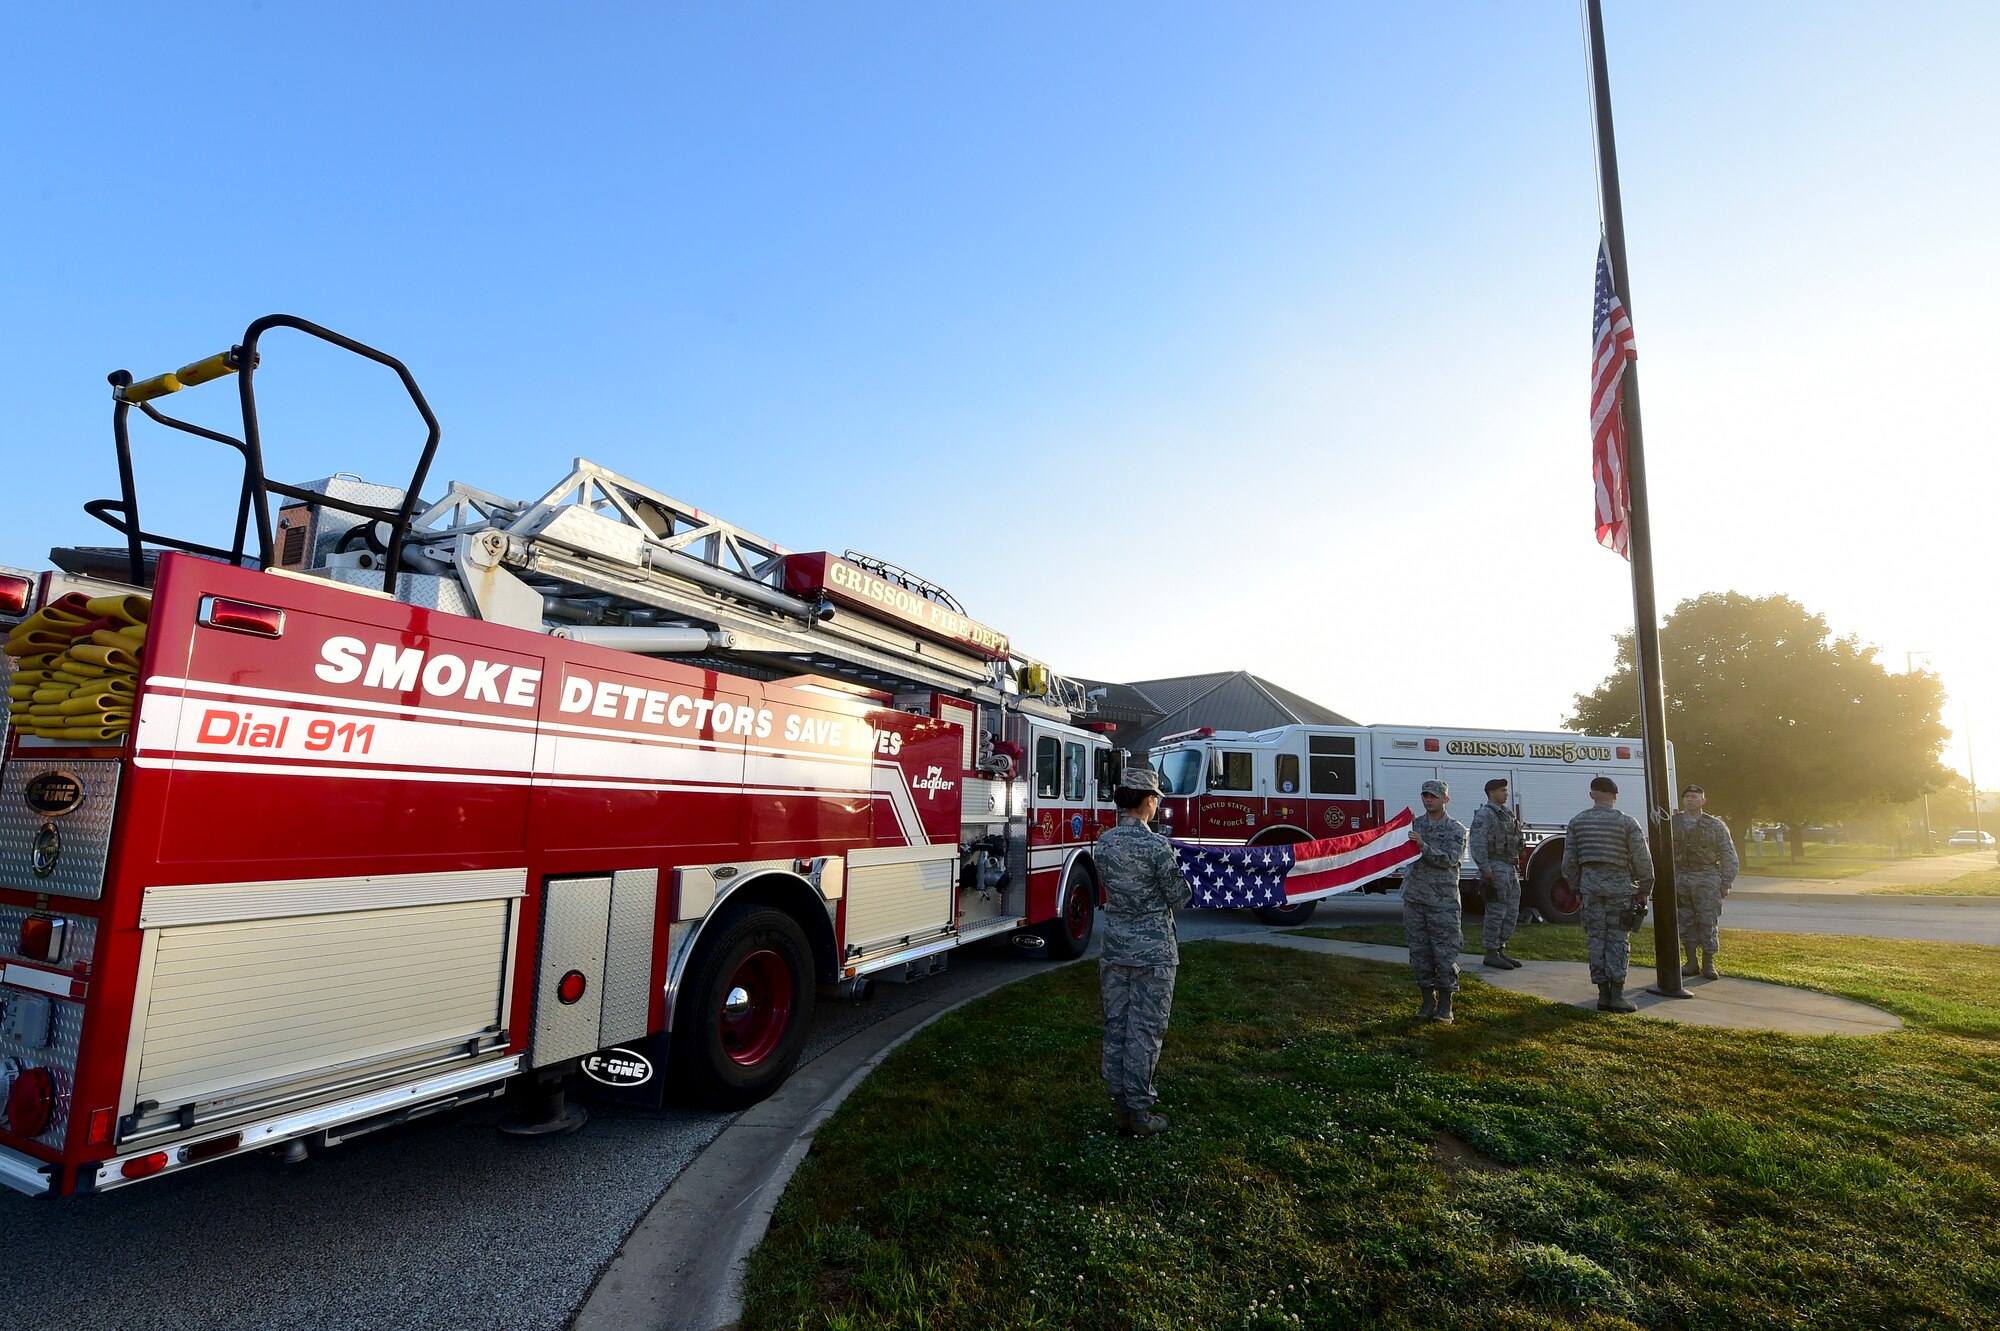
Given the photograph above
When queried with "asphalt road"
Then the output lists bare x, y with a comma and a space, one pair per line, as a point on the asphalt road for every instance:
446, 1224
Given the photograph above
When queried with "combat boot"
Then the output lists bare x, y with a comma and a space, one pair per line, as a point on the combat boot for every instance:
1498, 962
1512, 964
1611, 998
1144, 1123
1443, 1013
1429, 1006
1688, 966
1708, 966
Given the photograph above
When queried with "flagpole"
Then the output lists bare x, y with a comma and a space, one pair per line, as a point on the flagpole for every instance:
1645, 616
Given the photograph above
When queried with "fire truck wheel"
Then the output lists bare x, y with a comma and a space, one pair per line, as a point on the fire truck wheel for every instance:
1551, 894
1286, 916
1068, 935
745, 1009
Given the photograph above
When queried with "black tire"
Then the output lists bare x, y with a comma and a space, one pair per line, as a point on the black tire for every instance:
1068, 935
728, 1058
1287, 916
1550, 893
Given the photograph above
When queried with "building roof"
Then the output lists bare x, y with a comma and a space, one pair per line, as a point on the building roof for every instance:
1224, 700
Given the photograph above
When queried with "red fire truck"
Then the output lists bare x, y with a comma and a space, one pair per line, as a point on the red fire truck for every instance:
1293, 783
413, 803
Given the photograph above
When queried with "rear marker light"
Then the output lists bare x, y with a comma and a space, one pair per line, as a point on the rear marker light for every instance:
100, 1128
1624, 752
31, 1102
1430, 746
265, 621
570, 988
141, 1165
42, 937
14, 594
211, 1148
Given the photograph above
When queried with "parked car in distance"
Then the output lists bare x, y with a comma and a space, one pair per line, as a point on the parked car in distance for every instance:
1971, 841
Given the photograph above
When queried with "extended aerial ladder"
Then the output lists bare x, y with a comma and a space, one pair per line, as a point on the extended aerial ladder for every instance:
597, 557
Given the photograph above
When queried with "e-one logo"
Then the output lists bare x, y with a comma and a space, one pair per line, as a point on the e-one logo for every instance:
618, 1067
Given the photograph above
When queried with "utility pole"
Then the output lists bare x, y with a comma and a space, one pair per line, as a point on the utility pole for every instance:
1645, 616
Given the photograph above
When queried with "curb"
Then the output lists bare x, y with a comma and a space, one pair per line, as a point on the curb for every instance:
1863, 898
681, 1268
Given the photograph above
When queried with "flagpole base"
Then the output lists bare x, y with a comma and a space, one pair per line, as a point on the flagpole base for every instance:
1668, 993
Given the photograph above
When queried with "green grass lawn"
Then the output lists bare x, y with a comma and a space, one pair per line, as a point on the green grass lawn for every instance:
1821, 861
1335, 1164
1978, 883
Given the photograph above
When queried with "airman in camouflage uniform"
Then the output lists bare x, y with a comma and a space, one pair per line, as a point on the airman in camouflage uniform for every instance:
1605, 857
1143, 886
1496, 852
1430, 902
1704, 868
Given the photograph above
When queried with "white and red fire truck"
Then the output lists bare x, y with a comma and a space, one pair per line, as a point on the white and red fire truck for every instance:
1298, 782
420, 801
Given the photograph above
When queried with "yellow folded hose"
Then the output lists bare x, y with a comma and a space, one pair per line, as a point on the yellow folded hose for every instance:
96, 734
109, 658
94, 705
35, 642
125, 609
77, 666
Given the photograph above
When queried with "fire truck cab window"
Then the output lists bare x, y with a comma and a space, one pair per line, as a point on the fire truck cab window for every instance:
1332, 770
1048, 767
1231, 771
1180, 771
1073, 772
1106, 761
1288, 774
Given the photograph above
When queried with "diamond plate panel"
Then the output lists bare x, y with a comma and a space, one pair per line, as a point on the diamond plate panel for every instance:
576, 913
80, 945
59, 1057
628, 955
84, 834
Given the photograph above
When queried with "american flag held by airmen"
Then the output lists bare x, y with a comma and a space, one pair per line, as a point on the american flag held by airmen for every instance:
1610, 352
1249, 877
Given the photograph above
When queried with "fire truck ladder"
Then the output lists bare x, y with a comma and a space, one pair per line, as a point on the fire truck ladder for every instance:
614, 562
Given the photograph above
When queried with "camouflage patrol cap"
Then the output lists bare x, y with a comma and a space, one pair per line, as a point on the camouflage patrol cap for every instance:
1141, 778
1437, 788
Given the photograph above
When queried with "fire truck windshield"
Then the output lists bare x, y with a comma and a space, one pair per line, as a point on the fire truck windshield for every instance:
1180, 771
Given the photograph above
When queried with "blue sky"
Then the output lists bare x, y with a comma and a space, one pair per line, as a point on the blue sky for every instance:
1288, 301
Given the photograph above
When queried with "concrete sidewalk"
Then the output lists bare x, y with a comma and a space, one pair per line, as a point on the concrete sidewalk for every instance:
1742, 1005
681, 1269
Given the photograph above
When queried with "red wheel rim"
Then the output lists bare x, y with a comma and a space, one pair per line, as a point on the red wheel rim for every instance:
1564, 897
756, 1008
1077, 918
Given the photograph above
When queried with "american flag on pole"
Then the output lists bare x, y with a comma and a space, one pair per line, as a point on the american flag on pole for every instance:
1610, 352
1249, 877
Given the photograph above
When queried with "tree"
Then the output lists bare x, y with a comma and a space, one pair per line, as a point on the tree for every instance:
1777, 719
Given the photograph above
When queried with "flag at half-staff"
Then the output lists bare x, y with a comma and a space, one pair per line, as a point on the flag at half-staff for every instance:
1252, 877
1611, 350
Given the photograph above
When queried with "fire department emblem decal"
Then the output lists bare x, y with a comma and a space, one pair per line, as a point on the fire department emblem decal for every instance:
618, 1067
1334, 819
